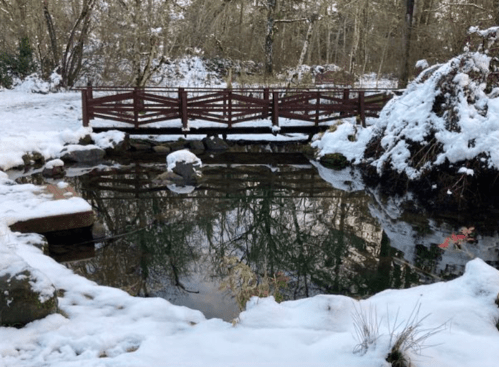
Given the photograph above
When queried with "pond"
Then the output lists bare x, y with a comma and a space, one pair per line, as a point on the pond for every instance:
276, 212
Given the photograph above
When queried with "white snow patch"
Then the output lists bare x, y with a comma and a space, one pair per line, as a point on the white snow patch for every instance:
184, 156
54, 163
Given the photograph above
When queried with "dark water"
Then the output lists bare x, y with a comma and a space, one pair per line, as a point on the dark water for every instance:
273, 212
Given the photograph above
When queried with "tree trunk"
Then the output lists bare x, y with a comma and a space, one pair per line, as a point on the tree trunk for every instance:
52, 34
406, 44
73, 55
269, 38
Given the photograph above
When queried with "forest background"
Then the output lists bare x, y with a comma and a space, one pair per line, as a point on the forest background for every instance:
125, 42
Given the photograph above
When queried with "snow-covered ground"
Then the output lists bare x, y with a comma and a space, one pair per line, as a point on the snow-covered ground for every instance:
102, 326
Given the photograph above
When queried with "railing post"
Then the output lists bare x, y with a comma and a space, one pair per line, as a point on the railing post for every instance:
362, 111
346, 97
135, 107
229, 116
266, 98
182, 96
317, 108
275, 108
90, 96
84, 108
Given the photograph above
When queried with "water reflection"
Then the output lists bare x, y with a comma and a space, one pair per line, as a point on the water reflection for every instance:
274, 218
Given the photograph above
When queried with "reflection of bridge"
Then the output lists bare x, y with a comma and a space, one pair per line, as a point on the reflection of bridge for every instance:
226, 111
223, 181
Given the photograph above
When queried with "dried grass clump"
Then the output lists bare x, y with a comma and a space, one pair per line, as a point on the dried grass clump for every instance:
366, 325
411, 338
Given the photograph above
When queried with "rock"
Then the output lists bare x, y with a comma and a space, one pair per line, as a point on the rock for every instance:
54, 169
82, 154
122, 146
177, 145
38, 158
86, 140
26, 294
33, 158
98, 230
168, 178
187, 172
215, 143
196, 146
140, 146
161, 149
334, 161
54, 172
184, 163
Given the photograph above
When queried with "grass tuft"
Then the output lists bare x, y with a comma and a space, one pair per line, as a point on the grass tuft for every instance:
366, 325
412, 337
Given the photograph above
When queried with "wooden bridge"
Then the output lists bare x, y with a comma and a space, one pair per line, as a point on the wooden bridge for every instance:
208, 111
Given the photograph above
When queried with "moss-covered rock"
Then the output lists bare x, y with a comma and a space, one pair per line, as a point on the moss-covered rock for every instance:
26, 294
334, 161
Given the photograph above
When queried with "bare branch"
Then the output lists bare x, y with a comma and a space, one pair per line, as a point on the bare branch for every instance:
456, 4
290, 20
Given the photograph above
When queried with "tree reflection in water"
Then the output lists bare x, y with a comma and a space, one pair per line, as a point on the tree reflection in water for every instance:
274, 219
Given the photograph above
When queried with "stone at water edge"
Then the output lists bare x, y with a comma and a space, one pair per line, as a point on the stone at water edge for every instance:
54, 169
26, 294
215, 143
161, 149
188, 173
196, 146
184, 164
82, 154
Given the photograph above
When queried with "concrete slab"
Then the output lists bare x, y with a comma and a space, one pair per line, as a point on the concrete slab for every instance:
60, 222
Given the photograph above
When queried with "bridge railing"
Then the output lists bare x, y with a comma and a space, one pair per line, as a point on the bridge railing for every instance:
141, 106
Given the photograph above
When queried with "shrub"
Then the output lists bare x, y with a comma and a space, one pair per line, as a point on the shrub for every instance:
19, 65
244, 283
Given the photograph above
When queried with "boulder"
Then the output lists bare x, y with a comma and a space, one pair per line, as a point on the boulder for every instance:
196, 146
335, 161
184, 164
54, 169
177, 145
215, 143
86, 140
168, 178
26, 294
33, 158
82, 154
162, 149
141, 146
188, 173
54, 172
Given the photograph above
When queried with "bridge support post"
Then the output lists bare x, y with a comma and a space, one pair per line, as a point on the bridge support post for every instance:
266, 98
275, 108
317, 108
362, 110
135, 108
229, 108
84, 108
182, 96
346, 97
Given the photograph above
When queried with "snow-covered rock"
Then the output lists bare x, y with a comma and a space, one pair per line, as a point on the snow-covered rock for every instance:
26, 294
82, 153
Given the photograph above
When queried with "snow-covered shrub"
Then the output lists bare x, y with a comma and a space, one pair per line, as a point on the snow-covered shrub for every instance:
447, 119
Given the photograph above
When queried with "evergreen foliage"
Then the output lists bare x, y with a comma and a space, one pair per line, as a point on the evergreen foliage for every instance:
18, 65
